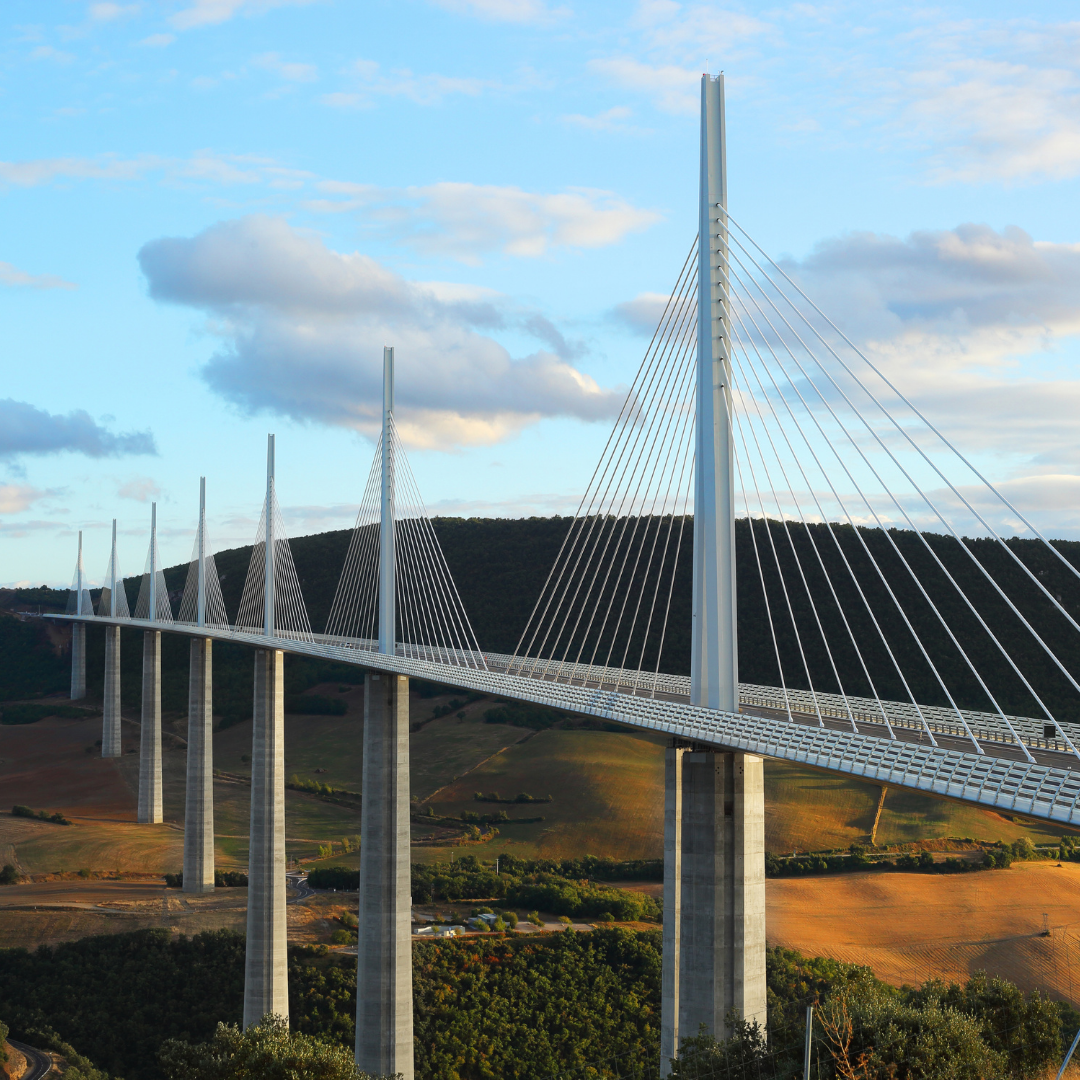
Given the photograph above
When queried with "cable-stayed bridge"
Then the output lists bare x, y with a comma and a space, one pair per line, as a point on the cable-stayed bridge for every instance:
941, 664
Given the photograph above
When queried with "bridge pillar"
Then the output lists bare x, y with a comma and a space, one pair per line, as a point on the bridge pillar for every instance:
199, 804
110, 732
266, 975
150, 810
78, 661
714, 958
384, 1028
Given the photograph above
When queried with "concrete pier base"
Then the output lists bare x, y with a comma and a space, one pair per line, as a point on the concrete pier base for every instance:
150, 808
78, 661
266, 976
199, 805
384, 1014
714, 935
110, 733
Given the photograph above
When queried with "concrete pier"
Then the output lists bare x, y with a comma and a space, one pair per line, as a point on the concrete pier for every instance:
150, 809
78, 661
714, 947
266, 981
199, 805
110, 733
384, 1028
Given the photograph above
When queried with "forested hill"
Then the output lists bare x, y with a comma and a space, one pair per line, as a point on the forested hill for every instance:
500, 566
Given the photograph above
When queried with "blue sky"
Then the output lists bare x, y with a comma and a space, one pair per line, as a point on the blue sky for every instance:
213, 214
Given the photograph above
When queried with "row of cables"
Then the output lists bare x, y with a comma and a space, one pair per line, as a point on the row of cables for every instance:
832, 459
431, 622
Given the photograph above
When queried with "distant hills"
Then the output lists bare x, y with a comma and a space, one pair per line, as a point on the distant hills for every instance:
500, 565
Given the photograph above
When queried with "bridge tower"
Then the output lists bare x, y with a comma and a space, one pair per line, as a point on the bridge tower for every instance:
714, 821
384, 1029
199, 802
111, 739
150, 784
266, 971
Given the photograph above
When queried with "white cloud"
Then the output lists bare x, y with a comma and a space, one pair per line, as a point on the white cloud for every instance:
996, 119
106, 12
158, 41
642, 314
369, 82
303, 329
517, 11
26, 429
674, 88
955, 318
15, 498
290, 71
466, 220
47, 52
139, 489
215, 12
16, 278
609, 120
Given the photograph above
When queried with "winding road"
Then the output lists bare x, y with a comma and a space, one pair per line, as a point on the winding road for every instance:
38, 1064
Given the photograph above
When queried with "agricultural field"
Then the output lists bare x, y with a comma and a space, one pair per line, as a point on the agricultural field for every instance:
1022, 924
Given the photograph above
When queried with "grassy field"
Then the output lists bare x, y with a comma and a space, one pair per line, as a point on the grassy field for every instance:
606, 789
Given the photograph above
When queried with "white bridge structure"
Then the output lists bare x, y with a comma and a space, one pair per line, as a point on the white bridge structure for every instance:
747, 395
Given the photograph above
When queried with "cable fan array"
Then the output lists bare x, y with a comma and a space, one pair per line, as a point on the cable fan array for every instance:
849, 605
213, 602
431, 620
106, 605
162, 605
290, 618
607, 600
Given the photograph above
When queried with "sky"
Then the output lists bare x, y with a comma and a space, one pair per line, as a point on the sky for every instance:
215, 213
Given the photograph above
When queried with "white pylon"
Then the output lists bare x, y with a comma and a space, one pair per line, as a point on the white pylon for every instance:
714, 664
387, 612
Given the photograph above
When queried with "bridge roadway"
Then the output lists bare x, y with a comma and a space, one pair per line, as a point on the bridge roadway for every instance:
1000, 778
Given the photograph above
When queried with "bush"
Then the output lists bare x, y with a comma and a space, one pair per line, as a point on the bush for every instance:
334, 877
25, 811
9, 875
266, 1049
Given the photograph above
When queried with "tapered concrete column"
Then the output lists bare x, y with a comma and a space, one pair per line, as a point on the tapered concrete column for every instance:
78, 661
722, 925
384, 1027
266, 976
199, 807
150, 809
669, 981
110, 733
714, 894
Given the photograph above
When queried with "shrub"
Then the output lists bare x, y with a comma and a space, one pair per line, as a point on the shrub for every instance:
266, 1049
8, 876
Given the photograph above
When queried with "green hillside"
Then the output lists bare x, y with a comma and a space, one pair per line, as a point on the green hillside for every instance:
500, 565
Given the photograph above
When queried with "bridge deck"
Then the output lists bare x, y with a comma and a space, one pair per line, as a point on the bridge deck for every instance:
1000, 778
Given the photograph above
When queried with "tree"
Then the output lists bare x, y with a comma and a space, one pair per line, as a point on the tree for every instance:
266, 1051
741, 1056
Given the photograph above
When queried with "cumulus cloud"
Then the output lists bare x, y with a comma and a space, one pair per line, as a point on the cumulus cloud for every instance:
957, 317
16, 278
25, 429
465, 220
303, 327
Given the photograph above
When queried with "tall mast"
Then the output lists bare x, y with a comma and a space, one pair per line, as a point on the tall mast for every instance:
268, 596
386, 519
714, 661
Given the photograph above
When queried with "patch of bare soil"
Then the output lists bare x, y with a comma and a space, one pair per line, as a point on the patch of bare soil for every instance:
909, 927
